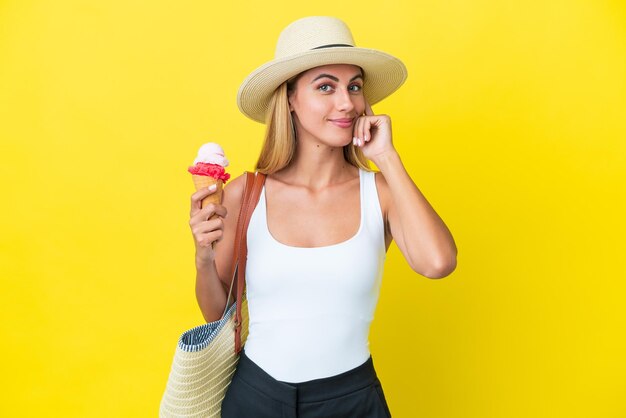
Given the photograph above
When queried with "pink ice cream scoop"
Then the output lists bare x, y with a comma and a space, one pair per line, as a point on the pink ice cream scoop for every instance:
210, 162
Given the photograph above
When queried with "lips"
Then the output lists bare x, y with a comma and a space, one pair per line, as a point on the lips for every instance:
342, 123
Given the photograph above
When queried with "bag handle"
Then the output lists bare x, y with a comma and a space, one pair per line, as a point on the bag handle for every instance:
251, 194
247, 192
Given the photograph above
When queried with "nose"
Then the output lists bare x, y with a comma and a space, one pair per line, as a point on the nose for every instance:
344, 100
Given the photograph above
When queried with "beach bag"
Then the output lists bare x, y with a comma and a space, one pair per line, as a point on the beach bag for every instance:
206, 356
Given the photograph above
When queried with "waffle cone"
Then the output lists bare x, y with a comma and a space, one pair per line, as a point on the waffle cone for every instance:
216, 197
202, 182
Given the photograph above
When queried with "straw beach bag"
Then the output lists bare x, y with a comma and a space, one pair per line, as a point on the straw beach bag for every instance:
206, 356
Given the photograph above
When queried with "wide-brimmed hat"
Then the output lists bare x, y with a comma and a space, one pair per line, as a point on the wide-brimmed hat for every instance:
310, 42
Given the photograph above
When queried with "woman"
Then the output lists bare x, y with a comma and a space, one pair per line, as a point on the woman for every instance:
318, 236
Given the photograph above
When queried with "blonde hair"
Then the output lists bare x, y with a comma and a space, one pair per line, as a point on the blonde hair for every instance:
280, 136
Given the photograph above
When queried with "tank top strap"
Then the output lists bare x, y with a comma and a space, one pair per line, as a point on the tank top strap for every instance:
371, 207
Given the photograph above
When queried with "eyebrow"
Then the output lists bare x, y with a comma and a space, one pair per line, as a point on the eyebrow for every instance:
332, 77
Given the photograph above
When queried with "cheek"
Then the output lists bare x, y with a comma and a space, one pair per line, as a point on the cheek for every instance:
312, 111
359, 105
319, 108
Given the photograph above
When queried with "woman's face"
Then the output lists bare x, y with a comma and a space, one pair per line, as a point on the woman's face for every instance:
326, 101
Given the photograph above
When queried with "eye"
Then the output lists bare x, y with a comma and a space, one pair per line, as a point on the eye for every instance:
355, 88
325, 87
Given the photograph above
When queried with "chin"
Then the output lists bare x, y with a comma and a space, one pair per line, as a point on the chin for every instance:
340, 141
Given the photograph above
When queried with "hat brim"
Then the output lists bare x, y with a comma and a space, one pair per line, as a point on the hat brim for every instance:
384, 74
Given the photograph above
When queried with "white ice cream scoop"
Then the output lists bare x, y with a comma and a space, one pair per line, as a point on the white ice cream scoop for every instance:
211, 153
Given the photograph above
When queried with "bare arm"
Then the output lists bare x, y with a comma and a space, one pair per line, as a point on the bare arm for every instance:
423, 238
421, 235
213, 264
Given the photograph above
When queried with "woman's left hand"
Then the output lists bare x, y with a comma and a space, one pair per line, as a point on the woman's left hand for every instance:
373, 134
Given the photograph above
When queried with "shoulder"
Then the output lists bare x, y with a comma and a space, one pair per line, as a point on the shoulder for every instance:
233, 195
235, 186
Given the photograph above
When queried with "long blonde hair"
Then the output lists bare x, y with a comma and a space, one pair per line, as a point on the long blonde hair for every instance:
280, 136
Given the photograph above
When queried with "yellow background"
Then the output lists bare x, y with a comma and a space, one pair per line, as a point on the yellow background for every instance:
512, 123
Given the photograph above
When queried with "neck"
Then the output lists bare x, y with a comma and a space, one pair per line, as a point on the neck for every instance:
317, 166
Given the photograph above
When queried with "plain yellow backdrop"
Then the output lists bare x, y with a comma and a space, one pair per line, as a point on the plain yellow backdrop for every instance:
512, 123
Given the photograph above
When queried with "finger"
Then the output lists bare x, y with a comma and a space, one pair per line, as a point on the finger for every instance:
208, 226
214, 208
204, 214
363, 130
202, 193
196, 198
355, 133
206, 239
360, 130
210, 210
367, 126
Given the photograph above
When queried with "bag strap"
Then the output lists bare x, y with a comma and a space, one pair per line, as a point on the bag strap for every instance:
251, 194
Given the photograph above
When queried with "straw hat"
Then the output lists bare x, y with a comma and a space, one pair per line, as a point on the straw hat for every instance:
310, 42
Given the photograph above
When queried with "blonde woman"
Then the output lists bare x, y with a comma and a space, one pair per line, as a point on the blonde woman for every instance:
318, 237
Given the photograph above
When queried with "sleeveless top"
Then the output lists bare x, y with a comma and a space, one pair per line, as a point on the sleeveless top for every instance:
310, 309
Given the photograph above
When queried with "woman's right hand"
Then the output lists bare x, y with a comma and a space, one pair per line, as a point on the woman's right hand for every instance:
205, 230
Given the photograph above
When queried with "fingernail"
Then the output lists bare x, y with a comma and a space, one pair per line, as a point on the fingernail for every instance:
354, 140
213, 187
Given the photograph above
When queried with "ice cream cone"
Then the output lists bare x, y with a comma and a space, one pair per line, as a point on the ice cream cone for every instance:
208, 169
216, 197
203, 182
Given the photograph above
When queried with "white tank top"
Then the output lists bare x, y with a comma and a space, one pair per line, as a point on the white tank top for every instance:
310, 309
